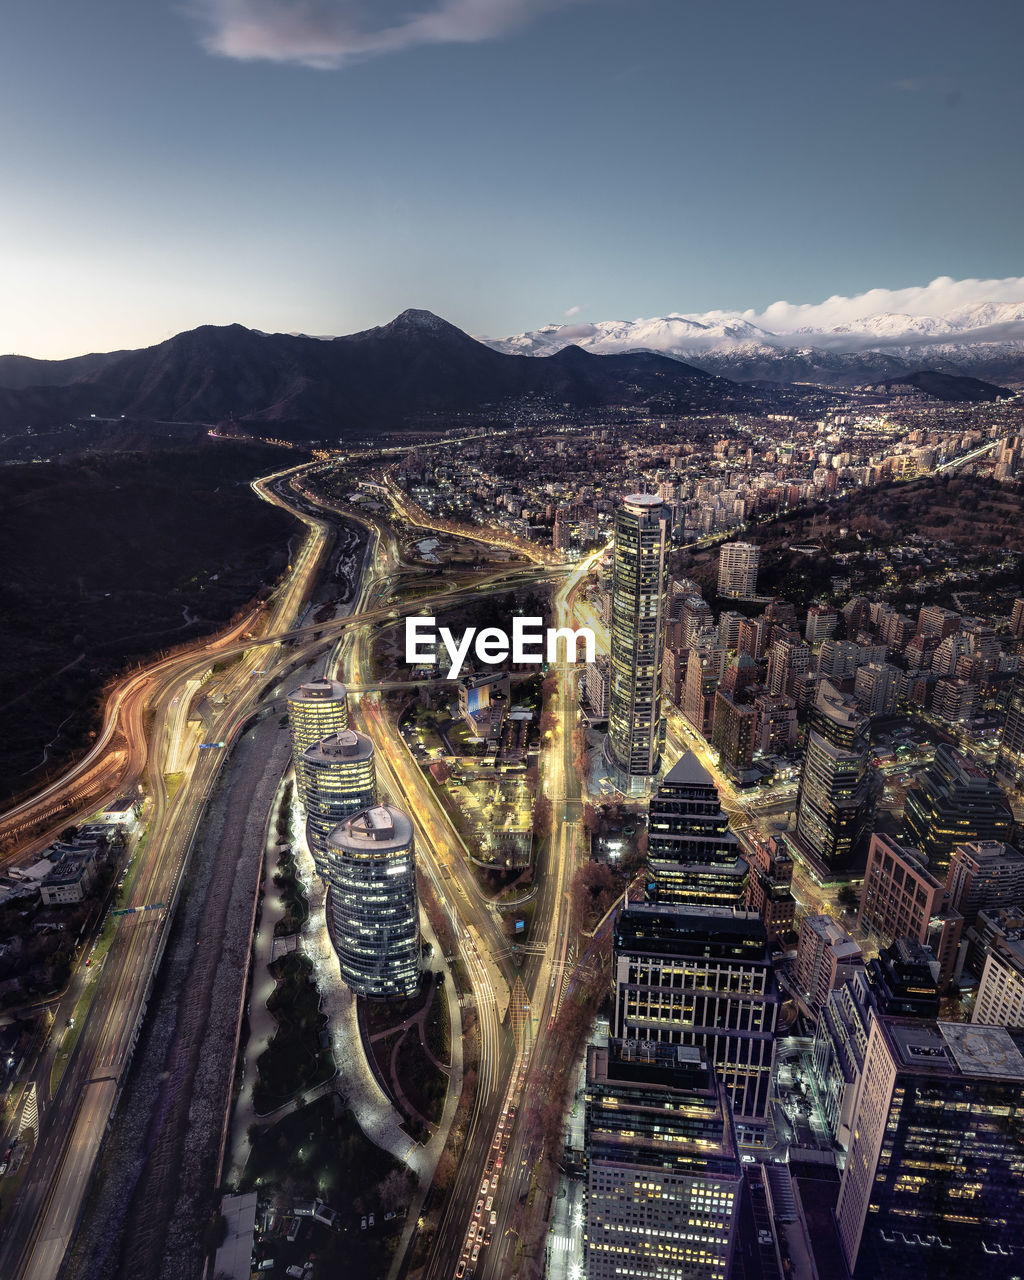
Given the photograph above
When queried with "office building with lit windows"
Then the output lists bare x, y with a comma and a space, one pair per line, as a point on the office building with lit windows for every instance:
934, 1179
954, 802
737, 569
636, 729
663, 1172
692, 854
1010, 761
337, 778
315, 710
372, 904
837, 794
701, 977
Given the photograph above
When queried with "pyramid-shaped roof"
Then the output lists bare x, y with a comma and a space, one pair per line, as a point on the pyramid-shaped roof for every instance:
688, 772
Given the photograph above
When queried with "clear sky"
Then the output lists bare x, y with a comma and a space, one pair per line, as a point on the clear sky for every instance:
320, 165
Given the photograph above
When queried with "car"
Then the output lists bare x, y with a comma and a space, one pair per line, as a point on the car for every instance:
497, 1163
490, 1201
476, 1252
494, 1182
504, 1145
479, 1209
494, 1218
370, 1220
362, 1225
460, 1270
497, 1140
490, 1165
487, 1237
511, 1114
764, 1237
483, 1187
472, 1231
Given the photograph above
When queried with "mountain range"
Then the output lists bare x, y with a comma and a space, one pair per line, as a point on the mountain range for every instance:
417, 370
985, 340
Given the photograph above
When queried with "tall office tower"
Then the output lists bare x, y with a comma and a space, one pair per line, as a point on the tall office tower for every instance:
770, 887
702, 977
955, 701
1010, 761
840, 1043
315, 710
733, 736
933, 1183
825, 958
984, 874
837, 794
636, 729
372, 905
1000, 999
788, 657
1017, 620
663, 1169
337, 777
952, 803
737, 569
776, 728
739, 675
694, 616
705, 667
821, 624
692, 854
902, 899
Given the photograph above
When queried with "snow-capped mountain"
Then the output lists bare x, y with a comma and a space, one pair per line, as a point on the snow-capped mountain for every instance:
985, 340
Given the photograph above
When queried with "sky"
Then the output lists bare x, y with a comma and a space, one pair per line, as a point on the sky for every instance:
320, 165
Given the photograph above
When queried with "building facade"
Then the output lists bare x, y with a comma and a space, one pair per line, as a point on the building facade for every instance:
636, 728
316, 709
372, 904
954, 802
337, 777
663, 1170
737, 569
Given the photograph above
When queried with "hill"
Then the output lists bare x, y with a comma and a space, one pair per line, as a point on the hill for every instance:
949, 387
416, 371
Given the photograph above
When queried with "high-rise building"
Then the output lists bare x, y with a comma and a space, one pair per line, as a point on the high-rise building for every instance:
636, 729
788, 657
732, 735
692, 854
984, 874
840, 1044
1010, 761
955, 701
337, 777
729, 623
316, 709
1017, 620
821, 624
770, 886
775, 732
904, 978
826, 957
877, 687
1000, 999
902, 899
933, 620
705, 667
837, 793
737, 569
703, 977
663, 1169
952, 803
933, 1182
372, 904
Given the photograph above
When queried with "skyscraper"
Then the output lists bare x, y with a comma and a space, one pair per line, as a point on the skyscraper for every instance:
663, 1171
737, 569
933, 1185
372, 904
692, 854
984, 874
837, 794
703, 977
315, 710
337, 777
954, 802
1010, 761
636, 729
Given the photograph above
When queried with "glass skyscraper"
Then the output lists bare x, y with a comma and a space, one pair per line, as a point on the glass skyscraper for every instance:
315, 709
337, 778
372, 904
636, 730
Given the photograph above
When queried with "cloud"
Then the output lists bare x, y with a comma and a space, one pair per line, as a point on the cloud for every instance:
328, 34
943, 297
572, 311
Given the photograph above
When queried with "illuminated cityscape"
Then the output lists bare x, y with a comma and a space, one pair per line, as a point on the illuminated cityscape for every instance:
513, 686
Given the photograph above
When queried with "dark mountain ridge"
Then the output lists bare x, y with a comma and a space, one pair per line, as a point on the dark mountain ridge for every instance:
400, 373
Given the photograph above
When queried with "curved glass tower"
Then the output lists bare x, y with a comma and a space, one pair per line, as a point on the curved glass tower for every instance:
636, 730
337, 777
315, 709
372, 905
